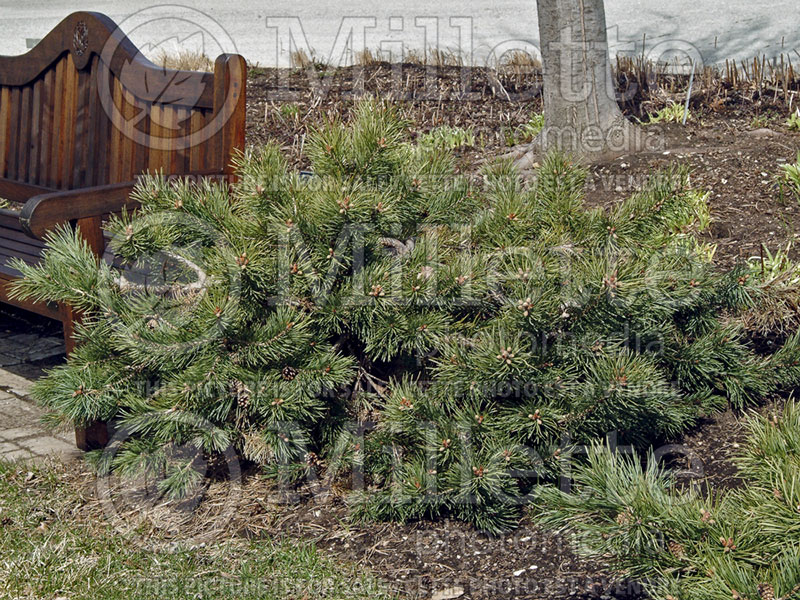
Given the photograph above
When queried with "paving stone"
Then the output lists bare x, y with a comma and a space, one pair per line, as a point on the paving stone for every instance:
45, 353
14, 383
50, 446
18, 433
12, 348
28, 347
24, 339
24, 413
19, 412
8, 360
19, 455
43, 348
6, 447
67, 437
28, 344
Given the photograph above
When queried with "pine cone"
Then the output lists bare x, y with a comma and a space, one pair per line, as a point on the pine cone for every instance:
289, 373
676, 549
241, 393
766, 591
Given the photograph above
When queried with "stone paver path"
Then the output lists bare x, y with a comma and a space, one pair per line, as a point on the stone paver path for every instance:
24, 348
22, 435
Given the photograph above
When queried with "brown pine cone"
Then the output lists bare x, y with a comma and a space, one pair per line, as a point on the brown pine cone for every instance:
242, 394
676, 549
766, 591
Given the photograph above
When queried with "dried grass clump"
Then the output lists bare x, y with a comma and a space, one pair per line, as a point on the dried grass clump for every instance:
300, 59
184, 60
777, 312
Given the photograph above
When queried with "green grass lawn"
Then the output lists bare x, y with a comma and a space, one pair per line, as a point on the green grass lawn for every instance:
47, 552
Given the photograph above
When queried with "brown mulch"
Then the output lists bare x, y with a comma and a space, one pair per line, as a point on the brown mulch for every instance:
737, 164
452, 96
420, 559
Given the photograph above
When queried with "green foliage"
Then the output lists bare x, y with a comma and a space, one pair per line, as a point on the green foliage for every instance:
775, 312
528, 131
790, 177
761, 121
290, 110
479, 326
672, 113
448, 138
685, 545
793, 122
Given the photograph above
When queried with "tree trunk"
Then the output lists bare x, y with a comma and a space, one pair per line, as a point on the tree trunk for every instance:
581, 114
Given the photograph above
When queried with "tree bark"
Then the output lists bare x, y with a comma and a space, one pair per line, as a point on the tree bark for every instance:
581, 114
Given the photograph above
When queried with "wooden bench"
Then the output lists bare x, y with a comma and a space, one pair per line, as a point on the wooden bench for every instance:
81, 115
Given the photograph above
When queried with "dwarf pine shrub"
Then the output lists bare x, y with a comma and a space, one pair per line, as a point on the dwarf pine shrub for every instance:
683, 544
431, 340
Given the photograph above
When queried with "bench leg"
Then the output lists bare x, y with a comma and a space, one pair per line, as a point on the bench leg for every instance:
68, 319
92, 437
95, 435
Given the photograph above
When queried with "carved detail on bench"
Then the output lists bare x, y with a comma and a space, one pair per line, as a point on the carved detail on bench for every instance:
80, 39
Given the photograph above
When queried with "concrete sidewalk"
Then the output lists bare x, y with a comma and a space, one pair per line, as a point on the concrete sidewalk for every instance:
731, 29
22, 435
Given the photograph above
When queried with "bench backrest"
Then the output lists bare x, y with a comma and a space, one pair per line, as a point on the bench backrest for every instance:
85, 107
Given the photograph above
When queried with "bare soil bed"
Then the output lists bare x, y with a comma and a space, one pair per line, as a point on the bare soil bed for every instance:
733, 143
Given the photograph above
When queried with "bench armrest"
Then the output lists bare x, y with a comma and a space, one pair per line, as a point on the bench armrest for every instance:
45, 211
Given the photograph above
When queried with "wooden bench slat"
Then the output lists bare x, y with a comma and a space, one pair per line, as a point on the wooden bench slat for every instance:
46, 309
18, 235
13, 138
69, 119
45, 133
36, 132
5, 112
25, 140
9, 219
59, 123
